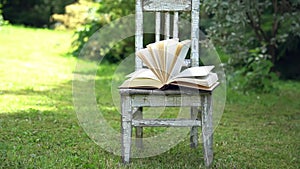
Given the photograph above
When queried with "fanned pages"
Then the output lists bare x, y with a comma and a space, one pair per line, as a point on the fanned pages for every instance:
195, 71
165, 60
178, 58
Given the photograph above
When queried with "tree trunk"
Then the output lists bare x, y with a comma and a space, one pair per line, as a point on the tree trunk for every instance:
272, 53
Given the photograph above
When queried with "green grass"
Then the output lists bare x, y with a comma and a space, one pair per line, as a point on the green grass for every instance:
39, 128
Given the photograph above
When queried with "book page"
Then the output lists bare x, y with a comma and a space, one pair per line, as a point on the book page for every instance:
206, 81
142, 78
154, 50
195, 86
178, 60
162, 56
195, 71
141, 83
136, 72
143, 73
150, 62
170, 54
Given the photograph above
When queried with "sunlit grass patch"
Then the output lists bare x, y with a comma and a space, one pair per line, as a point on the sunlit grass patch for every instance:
33, 62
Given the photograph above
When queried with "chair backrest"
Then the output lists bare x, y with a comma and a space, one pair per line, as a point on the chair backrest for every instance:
163, 8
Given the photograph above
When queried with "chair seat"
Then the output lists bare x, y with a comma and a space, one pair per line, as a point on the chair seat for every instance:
185, 97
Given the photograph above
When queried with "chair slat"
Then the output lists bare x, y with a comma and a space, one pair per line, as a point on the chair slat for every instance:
175, 25
167, 25
157, 26
195, 33
138, 32
167, 5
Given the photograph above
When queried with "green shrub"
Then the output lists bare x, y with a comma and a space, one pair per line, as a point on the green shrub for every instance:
108, 11
83, 34
255, 74
113, 53
76, 15
1, 17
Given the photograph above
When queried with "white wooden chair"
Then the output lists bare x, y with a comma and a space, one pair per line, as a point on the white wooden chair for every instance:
133, 100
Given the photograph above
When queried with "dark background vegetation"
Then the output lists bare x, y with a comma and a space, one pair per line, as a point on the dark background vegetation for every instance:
35, 13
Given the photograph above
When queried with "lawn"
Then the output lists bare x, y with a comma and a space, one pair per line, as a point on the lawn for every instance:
39, 127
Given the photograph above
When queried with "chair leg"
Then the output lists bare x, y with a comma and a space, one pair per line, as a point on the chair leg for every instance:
126, 128
139, 130
207, 129
194, 130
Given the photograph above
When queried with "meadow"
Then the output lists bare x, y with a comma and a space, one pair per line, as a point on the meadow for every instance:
39, 127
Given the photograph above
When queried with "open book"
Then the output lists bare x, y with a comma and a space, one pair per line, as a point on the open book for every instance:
165, 60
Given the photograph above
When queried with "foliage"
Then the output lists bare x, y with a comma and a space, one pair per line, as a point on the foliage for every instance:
256, 74
76, 15
2, 21
1, 17
39, 128
108, 11
250, 24
239, 26
32, 12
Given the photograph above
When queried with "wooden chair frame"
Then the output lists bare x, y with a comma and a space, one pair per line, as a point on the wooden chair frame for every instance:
133, 100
